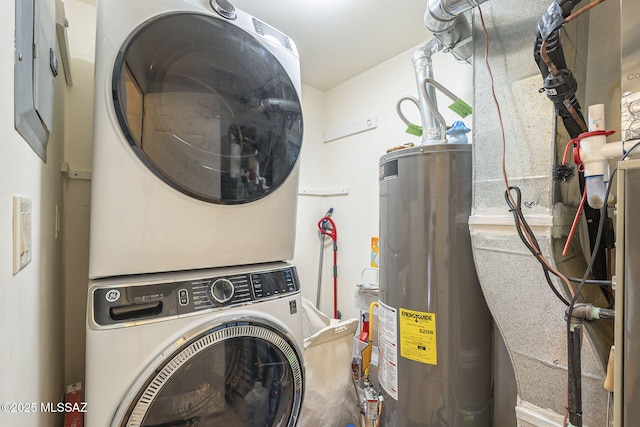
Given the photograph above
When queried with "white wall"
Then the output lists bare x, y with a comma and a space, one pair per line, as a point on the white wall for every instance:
310, 208
352, 162
77, 192
31, 306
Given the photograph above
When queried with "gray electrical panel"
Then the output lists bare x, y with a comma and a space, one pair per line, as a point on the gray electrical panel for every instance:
36, 67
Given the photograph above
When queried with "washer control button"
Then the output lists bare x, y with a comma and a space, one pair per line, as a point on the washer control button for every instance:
183, 297
222, 291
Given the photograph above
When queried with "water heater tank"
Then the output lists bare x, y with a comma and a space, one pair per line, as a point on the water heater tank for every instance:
434, 325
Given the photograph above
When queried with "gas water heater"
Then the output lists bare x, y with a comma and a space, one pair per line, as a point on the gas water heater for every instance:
435, 327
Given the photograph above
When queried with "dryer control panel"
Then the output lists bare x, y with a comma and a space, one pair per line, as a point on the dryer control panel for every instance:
156, 300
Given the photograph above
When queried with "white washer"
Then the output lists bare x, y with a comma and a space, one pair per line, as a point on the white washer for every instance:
220, 347
197, 132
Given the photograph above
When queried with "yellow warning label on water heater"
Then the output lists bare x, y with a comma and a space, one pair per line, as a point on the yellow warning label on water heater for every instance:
418, 336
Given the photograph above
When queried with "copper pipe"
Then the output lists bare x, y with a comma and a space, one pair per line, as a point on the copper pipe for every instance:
574, 114
579, 12
545, 57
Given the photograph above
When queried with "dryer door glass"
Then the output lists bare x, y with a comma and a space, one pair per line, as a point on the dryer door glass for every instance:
208, 107
240, 374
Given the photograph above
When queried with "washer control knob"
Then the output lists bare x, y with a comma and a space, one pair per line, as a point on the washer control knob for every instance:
224, 8
222, 290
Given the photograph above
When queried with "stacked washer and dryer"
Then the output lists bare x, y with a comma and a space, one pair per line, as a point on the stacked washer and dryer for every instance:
194, 316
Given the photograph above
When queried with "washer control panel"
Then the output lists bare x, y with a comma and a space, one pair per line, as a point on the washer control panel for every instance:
214, 292
274, 283
147, 301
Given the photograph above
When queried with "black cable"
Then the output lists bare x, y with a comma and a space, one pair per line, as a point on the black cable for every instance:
594, 254
560, 87
576, 412
574, 370
521, 222
573, 348
590, 281
629, 151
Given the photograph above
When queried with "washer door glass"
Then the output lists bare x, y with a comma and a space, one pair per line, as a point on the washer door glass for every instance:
207, 107
240, 374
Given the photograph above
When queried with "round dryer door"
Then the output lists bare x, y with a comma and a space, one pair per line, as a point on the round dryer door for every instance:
208, 107
238, 374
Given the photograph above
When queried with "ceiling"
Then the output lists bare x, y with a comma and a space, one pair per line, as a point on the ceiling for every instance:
339, 39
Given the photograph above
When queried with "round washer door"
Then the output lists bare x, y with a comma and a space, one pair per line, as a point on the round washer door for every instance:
207, 107
237, 374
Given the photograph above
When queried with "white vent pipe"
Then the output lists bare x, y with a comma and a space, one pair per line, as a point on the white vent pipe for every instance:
441, 15
423, 68
446, 20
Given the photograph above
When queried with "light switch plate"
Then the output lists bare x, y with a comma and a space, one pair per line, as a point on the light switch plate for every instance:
21, 233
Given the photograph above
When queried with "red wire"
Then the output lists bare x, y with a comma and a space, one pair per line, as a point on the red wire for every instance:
566, 152
576, 158
575, 222
576, 145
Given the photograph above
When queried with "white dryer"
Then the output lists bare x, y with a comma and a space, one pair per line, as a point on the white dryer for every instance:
197, 133
220, 347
